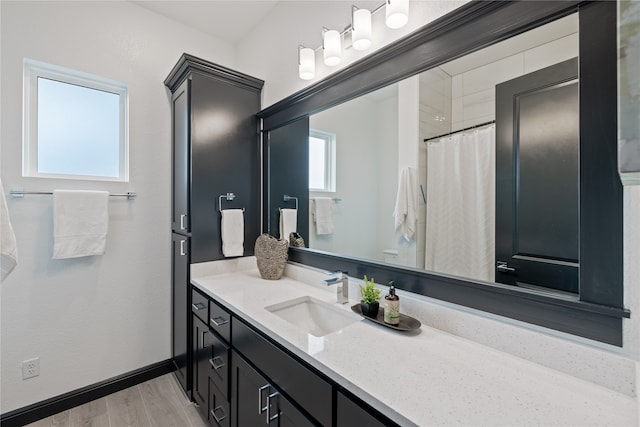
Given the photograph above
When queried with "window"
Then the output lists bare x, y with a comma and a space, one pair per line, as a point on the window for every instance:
322, 159
75, 125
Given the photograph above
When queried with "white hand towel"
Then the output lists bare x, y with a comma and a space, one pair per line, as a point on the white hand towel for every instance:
232, 232
405, 209
8, 248
288, 222
80, 223
323, 215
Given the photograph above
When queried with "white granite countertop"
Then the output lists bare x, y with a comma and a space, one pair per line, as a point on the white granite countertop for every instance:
424, 378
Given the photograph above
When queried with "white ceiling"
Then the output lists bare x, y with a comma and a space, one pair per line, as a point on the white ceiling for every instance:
226, 20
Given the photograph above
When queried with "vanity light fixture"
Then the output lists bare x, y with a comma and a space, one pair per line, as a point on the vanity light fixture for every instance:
331, 47
397, 13
358, 35
306, 63
361, 28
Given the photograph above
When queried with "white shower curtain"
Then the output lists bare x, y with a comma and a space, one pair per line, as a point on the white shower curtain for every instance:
461, 205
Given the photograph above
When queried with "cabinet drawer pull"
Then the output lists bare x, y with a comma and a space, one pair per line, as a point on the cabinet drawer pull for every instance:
219, 321
198, 306
269, 416
261, 408
182, 250
218, 418
217, 362
182, 219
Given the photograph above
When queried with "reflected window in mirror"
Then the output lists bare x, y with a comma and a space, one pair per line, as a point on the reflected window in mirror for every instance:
322, 160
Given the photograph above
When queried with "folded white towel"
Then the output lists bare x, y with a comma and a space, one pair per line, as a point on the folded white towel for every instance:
405, 210
288, 223
8, 248
323, 215
232, 232
80, 223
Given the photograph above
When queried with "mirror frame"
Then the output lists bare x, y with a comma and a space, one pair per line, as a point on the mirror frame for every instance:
599, 313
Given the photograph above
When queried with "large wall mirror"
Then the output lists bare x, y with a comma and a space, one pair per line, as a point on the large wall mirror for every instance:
463, 180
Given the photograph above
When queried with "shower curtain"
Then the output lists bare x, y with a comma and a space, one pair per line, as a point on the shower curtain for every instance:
461, 205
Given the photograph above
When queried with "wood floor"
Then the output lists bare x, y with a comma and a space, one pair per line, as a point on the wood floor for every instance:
155, 403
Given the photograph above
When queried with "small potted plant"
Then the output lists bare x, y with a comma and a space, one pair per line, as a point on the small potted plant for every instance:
369, 298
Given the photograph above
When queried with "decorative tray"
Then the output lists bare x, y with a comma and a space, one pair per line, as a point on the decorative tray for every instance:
407, 323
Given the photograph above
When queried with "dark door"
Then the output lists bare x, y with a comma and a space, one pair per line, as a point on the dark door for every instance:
201, 367
180, 185
255, 402
180, 309
248, 394
288, 174
537, 179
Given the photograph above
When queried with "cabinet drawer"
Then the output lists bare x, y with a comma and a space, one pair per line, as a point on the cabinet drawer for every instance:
219, 363
219, 412
220, 320
301, 384
199, 305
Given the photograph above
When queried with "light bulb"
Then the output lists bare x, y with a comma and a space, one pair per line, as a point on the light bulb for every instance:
332, 47
361, 34
306, 63
397, 12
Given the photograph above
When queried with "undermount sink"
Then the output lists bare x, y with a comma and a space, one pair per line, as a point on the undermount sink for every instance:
315, 317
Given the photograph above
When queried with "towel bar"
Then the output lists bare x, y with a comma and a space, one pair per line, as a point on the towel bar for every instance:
21, 193
287, 198
228, 196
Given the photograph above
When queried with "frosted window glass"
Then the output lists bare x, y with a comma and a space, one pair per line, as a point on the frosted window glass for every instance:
317, 163
78, 130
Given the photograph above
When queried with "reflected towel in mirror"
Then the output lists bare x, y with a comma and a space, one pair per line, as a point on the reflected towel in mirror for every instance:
405, 210
323, 215
288, 222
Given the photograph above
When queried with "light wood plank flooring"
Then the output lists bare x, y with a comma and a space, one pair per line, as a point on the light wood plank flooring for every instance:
155, 403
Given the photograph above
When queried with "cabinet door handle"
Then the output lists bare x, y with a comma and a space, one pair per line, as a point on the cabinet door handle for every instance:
203, 339
183, 217
269, 416
261, 408
218, 418
217, 362
182, 250
219, 321
198, 306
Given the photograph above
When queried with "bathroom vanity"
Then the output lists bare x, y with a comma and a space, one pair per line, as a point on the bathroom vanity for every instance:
249, 362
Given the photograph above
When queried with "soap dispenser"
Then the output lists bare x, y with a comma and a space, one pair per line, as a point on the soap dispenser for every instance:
392, 306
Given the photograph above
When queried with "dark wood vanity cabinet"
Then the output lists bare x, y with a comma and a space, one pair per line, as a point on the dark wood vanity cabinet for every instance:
215, 151
243, 378
211, 366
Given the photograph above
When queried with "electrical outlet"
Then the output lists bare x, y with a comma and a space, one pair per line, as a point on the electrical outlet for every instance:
30, 368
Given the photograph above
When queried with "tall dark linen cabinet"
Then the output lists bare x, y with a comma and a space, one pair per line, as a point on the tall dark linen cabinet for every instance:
215, 151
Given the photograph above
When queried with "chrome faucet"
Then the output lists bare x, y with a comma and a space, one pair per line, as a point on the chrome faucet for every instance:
342, 292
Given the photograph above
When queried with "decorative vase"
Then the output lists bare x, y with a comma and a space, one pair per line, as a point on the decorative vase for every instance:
271, 255
296, 240
369, 309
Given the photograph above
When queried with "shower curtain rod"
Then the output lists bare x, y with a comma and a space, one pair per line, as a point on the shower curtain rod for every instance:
458, 131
